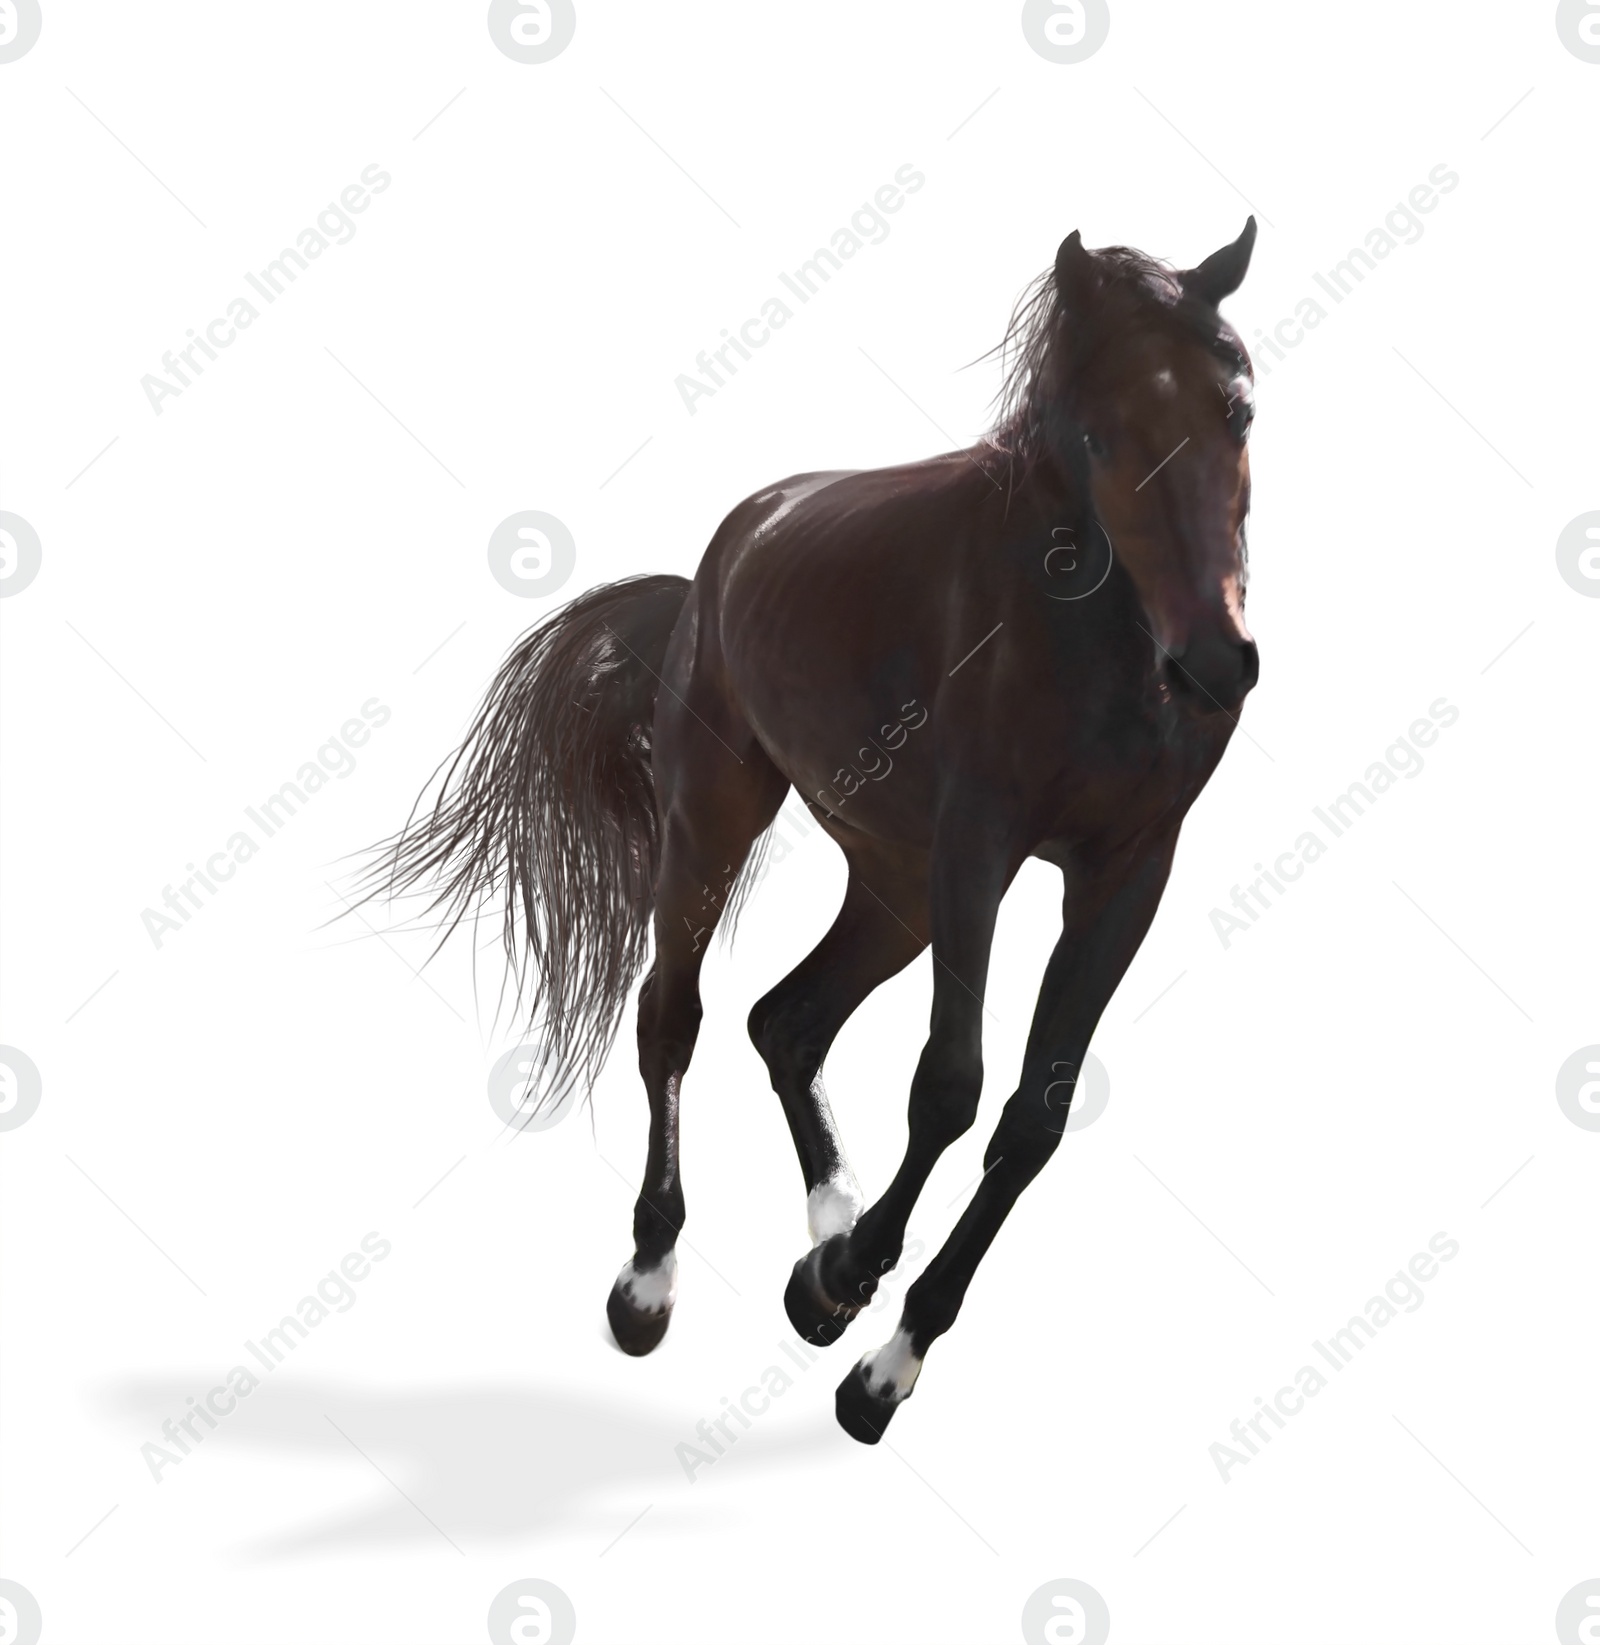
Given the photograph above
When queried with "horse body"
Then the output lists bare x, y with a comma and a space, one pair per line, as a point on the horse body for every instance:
1034, 647
925, 596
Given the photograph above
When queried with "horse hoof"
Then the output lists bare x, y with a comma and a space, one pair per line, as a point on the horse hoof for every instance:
812, 1312
863, 1414
640, 1306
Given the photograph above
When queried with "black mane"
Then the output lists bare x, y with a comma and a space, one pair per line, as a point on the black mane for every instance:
1043, 349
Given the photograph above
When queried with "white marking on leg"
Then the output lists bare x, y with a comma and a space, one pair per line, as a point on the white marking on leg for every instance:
832, 1207
891, 1372
652, 1289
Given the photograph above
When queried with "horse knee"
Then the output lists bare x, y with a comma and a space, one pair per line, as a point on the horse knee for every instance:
944, 1094
1030, 1128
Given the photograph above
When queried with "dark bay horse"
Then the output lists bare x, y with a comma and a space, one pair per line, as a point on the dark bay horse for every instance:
1034, 647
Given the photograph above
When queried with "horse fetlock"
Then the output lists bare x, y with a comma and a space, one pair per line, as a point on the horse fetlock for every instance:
656, 1226
650, 1288
833, 1207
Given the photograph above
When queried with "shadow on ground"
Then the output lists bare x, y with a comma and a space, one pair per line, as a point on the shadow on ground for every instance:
476, 1462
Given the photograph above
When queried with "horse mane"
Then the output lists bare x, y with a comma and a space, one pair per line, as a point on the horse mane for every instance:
1043, 349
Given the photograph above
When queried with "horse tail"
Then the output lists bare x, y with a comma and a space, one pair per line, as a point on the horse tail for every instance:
549, 809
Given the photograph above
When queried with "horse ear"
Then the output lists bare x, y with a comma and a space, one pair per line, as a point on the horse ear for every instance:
1075, 272
1223, 272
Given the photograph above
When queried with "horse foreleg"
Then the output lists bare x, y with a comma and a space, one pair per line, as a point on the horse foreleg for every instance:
1088, 962
969, 874
880, 928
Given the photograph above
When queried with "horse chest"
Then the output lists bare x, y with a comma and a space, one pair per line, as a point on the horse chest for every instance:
1133, 777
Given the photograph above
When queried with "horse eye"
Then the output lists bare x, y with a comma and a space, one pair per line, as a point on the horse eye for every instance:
1241, 414
1093, 444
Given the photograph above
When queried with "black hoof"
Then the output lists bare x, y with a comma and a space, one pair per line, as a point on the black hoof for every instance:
812, 1312
637, 1330
862, 1414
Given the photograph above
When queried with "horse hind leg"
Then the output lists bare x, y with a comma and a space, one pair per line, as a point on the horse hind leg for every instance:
714, 807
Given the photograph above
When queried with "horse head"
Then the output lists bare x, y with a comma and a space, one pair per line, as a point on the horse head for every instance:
1155, 392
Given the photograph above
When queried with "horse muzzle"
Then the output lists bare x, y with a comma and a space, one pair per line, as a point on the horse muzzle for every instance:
1213, 674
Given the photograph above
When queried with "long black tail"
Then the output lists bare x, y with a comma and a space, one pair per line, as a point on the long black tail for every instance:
549, 808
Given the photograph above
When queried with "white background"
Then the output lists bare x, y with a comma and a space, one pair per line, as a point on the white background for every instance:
1294, 1117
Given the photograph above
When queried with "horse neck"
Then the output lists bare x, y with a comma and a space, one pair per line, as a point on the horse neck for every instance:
1111, 623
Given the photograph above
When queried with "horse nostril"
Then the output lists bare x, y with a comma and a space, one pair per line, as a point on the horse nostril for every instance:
1250, 670
1213, 674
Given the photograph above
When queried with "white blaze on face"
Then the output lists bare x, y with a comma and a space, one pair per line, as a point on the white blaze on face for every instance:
653, 1289
891, 1372
832, 1207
